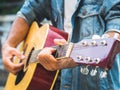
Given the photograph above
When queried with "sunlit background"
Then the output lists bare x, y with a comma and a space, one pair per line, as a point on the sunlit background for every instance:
8, 9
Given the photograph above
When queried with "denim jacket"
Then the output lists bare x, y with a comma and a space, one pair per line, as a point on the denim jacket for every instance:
90, 17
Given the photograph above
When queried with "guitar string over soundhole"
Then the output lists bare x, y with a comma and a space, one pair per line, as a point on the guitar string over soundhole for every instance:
28, 59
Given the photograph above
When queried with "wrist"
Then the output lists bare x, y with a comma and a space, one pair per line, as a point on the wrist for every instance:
6, 44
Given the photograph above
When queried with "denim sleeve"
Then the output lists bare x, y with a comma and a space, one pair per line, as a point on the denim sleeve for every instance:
34, 10
112, 15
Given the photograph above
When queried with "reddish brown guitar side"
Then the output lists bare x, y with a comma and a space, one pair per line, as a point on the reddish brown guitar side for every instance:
34, 76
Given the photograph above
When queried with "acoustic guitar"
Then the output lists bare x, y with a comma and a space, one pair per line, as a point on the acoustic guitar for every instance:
34, 76
89, 52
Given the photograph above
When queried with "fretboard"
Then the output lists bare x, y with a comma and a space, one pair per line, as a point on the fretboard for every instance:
62, 51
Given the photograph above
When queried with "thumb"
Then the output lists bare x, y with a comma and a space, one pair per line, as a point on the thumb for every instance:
18, 54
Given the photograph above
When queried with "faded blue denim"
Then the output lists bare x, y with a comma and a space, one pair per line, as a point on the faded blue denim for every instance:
91, 17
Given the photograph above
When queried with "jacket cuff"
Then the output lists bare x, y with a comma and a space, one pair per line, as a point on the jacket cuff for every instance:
19, 14
113, 25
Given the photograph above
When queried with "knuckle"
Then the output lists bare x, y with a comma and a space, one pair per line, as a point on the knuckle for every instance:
14, 72
51, 69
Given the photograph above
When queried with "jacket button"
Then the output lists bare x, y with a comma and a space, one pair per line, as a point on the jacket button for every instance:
84, 12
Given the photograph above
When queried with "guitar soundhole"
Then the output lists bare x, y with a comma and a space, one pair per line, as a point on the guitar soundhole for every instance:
29, 56
22, 72
19, 77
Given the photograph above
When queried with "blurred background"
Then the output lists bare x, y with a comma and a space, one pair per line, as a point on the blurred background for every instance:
8, 10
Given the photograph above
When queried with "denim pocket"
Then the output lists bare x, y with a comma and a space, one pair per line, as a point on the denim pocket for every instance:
88, 10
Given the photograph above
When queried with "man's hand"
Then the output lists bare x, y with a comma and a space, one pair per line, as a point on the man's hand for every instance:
16, 35
47, 60
114, 34
8, 54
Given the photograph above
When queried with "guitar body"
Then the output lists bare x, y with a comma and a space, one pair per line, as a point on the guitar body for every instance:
35, 77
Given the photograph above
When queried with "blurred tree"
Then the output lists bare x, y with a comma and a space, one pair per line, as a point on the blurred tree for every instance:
10, 6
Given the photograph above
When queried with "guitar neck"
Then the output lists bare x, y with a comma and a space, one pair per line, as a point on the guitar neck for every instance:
62, 51
100, 54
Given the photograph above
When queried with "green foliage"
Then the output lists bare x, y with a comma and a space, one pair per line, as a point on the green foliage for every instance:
6, 1
10, 6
